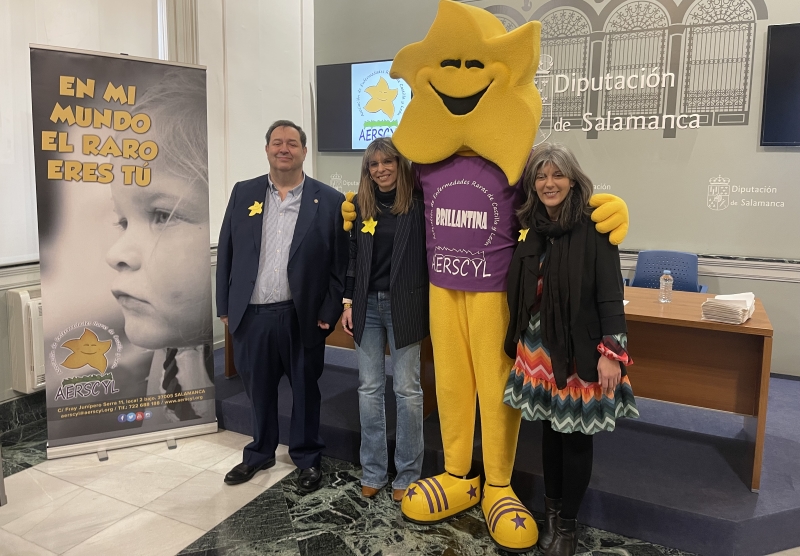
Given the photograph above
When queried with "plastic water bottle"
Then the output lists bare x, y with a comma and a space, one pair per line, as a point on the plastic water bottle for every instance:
665, 294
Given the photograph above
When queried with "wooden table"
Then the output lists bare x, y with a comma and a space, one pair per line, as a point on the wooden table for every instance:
682, 359
339, 338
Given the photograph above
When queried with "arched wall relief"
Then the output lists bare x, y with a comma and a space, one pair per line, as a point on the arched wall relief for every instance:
708, 45
718, 60
566, 39
635, 44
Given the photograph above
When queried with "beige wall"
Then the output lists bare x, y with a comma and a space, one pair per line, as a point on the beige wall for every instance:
259, 58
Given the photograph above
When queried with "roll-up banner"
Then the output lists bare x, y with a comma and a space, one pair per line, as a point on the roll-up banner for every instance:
121, 156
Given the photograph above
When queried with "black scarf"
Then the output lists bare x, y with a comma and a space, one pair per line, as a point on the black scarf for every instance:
555, 307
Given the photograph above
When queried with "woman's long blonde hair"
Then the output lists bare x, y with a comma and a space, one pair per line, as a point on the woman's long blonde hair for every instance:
366, 188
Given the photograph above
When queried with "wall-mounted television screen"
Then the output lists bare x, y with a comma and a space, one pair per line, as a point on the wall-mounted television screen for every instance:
356, 104
780, 120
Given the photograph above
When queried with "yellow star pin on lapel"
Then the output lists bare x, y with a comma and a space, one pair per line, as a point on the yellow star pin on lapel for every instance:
523, 234
256, 208
369, 226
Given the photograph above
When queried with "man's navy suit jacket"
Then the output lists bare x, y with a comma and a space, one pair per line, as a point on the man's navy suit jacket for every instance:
317, 260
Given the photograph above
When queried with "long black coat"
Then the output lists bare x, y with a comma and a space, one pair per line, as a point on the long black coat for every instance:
596, 293
408, 278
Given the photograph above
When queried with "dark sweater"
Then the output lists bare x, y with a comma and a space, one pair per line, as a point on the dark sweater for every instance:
383, 242
382, 245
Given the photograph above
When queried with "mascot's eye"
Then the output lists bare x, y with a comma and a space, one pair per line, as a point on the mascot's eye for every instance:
453, 63
473, 64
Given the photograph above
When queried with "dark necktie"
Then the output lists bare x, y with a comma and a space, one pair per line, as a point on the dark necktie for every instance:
182, 409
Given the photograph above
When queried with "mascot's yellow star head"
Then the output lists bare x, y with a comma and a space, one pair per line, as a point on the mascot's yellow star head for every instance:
473, 90
87, 350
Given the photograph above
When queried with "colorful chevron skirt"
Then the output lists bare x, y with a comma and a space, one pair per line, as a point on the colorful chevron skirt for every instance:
579, 407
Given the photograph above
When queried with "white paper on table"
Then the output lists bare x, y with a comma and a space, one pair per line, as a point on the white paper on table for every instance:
744, 300
625, 302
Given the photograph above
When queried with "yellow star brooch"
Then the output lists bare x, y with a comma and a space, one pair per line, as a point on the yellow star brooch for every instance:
369, 226
523, 234
87, 350
256, 208
382, 98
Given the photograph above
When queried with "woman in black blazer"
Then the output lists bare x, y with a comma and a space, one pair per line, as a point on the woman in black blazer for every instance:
567, 334
386, 297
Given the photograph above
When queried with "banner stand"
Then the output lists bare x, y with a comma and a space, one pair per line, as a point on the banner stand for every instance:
129, 441
121, 159
3, 499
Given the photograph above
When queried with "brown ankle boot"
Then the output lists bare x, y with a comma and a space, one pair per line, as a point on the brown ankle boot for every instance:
369, 492
565, 542
548, 531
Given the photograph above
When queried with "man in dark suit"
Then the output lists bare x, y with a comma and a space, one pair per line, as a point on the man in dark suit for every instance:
281, 264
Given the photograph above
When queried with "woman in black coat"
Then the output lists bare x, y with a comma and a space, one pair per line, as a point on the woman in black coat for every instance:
386, 298
567, 334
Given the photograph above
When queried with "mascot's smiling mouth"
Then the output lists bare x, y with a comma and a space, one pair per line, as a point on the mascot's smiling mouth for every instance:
461, 106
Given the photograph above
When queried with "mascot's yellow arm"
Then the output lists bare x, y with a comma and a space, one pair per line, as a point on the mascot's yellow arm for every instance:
349, 210
610, 215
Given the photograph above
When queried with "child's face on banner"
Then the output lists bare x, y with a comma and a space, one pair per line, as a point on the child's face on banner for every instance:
162, 259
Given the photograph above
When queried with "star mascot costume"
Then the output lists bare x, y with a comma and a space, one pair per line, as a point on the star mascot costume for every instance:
469, 130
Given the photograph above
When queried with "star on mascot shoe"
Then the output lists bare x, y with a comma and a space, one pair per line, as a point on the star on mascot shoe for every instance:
510, 523
435, 499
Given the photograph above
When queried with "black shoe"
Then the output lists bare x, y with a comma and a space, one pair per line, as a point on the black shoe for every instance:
309, 480
243, 472
548, 531
565, 542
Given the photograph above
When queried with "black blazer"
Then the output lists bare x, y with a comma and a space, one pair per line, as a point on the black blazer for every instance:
317, 259
596, 293
408, 278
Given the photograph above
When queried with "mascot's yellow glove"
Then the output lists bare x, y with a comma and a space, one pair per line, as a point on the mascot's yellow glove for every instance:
349, 211
611, 215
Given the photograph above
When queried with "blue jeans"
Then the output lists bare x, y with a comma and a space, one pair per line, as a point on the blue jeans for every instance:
407, 391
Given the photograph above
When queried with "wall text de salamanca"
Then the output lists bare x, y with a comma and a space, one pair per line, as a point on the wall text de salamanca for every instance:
456, 218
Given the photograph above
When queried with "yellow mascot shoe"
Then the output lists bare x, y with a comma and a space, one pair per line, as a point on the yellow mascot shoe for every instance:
510, 523
434, 499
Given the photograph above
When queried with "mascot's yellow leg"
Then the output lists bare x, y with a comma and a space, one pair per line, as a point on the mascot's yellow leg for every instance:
487, 314
510, 523
467, 332
455, 377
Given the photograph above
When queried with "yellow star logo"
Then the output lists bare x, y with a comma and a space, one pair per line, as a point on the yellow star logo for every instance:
369, 226
472, 85
256, 208
382, 98
523, 234
87, 350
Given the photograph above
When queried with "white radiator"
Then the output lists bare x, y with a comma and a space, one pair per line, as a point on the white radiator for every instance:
26, 339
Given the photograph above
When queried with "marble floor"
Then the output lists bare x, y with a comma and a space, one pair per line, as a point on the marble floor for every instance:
153, 501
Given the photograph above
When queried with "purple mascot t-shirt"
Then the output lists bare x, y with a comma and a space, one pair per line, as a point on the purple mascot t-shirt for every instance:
471, 223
